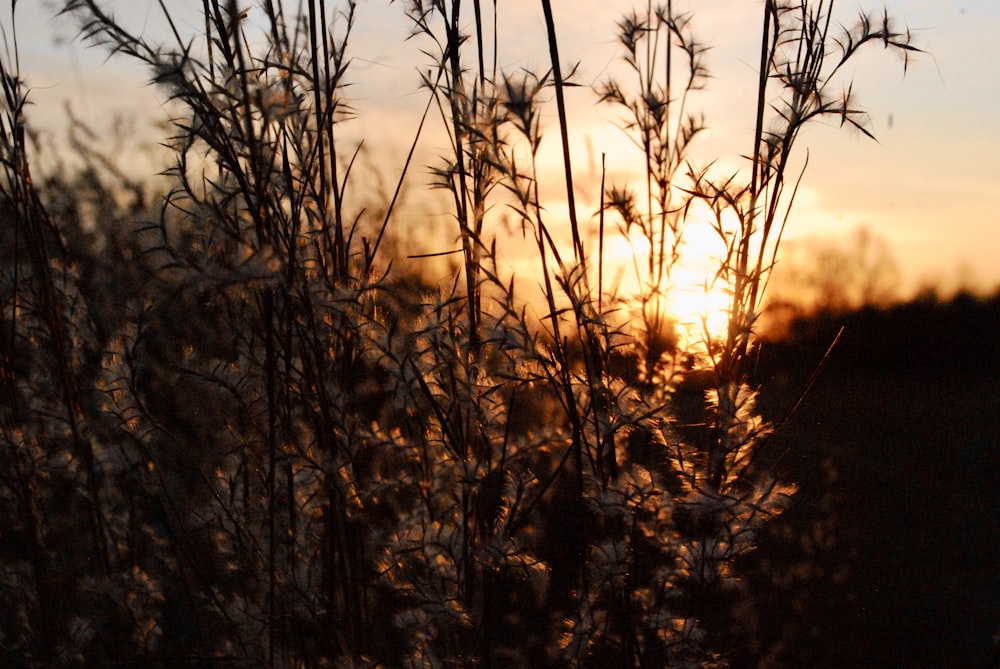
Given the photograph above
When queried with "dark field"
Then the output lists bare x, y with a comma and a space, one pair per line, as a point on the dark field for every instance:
889, 557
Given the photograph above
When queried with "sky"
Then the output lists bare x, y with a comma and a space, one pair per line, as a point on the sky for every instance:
927, 187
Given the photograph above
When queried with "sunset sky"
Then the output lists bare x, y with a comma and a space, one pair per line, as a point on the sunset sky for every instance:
928, 186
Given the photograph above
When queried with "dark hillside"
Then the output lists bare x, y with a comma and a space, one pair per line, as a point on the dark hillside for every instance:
891, 556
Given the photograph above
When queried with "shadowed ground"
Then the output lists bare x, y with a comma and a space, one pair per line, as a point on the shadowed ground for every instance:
891, 555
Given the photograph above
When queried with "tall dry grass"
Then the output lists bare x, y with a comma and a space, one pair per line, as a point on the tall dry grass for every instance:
282, 452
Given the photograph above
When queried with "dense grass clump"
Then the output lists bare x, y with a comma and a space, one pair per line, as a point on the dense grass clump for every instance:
234, 434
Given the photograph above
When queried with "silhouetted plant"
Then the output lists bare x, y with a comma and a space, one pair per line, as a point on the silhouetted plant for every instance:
274, 451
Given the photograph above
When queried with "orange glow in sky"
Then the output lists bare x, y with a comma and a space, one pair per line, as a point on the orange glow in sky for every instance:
927, 186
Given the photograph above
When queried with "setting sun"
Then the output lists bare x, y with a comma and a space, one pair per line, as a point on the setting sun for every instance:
699, 296
701, 309
695, 294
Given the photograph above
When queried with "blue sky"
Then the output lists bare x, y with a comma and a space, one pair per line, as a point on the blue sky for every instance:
927, 186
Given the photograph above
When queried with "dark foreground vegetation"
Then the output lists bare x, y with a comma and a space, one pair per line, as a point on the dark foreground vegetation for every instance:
237, 433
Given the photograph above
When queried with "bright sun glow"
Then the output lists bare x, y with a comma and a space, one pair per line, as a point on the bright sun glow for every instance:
702, 311
696, 297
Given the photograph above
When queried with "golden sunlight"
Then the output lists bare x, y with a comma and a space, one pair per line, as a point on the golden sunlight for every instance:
693, 293
698, 296
700, 306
